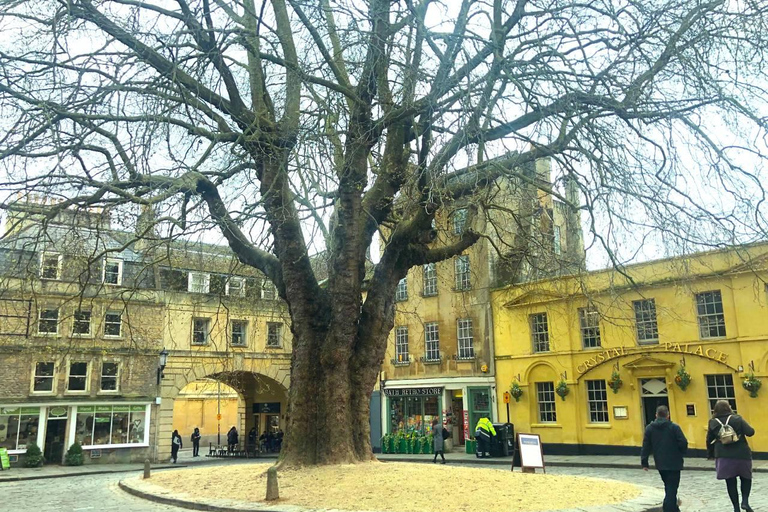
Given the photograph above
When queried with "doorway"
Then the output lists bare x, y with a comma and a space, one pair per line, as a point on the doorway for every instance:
55, 431
457, 415
654, 393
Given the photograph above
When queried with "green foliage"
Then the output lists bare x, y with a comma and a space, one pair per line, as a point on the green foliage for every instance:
615, 381
34, 457
516, 391
683, 378
562, 389
74, 456
751, 384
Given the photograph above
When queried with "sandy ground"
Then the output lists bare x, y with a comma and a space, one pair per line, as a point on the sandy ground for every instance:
400, 487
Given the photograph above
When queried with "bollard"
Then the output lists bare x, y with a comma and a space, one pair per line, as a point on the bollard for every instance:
146, 469
273, 492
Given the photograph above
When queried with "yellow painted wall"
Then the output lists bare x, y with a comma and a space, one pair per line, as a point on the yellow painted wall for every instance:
741, 278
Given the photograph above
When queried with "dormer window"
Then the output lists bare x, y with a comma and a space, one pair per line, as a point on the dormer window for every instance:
199, 282
236, 287
113, 271
50, 266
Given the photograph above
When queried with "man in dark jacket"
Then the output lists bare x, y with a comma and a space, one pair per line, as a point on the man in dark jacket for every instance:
665, 440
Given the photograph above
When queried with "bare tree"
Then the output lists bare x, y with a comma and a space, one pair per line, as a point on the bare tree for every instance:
296, 126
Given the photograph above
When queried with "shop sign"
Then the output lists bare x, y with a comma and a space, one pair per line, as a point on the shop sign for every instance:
675, 348
413, 391
103, 408
138, 408
14, 411
121, 408
266, 408
57, 412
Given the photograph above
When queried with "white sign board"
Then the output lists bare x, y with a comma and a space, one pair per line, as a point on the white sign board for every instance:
531, 454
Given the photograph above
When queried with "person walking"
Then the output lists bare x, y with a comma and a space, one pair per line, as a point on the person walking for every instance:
196, 442
667, 443
232, 439
483, 432
438, 440
175, 445
727, 443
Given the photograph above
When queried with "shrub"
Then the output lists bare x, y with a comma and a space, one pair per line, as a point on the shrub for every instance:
34, 457
74, 456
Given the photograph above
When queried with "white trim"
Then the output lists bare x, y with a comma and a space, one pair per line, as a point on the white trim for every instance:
88, 368
58, 265
206, 282
446, 382
241, 292
54, 379
119, 271
117, 377
41, 425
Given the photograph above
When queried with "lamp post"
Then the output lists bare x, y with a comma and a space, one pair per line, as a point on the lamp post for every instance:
161, 367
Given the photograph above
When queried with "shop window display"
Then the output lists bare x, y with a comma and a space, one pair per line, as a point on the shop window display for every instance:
413, 413
18, 427
110, 425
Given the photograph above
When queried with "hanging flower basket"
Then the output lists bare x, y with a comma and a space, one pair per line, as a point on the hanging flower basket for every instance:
615, 381
516, 391
562, 389
751, 384
683, 378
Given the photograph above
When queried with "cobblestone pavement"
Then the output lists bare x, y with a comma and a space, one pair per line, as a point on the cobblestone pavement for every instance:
699, 490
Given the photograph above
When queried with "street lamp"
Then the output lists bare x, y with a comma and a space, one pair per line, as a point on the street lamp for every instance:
163, 362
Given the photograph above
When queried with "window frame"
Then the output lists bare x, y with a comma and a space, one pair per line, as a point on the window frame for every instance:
546, 406
43, 257
140, 408
459, 221
119, 263
557, 240
206, 330
429, 280
268, 290
401, 292
40, 319
401, 340
465, 343
119, 315
51, 377
86, 377
462, 273
206, 285
538, 336
76, 321
590, 331
597, 401
239, 292
718, 316
431, 342
716, 386
279, 327
243, 333
644, 322
117, 376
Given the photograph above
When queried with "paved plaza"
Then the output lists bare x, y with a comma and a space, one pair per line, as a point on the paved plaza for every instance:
700, 491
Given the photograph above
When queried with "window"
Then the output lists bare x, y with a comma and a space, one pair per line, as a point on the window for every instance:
113, 271
709, 307
113, 324
48, 321
401, 293
238, 330
545, 396
401, 344
430, 280
459, 221
720, 387
50, 266
645, 321
19, 427
236, 287
597, 398
540, 332
103, 425
78, 376
274, 334
589, 323
557, 240
268, 290
462, 273
43, 380
109, 376
82, 323
431, 342
199, 282
466, 338
200, 330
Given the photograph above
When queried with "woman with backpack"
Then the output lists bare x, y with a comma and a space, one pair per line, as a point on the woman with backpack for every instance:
727, 443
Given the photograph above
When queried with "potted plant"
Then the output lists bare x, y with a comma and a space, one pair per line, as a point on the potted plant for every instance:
386, 443
34, 456
74, 456
615, 381
683, 378
516, 391
751, 384
562, 389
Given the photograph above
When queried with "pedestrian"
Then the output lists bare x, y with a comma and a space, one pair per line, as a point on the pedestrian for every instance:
175, 445
667, 443
279, 439
483, 432
437, 440
253, 436
263, 442
196, 442
727, 442
232, 439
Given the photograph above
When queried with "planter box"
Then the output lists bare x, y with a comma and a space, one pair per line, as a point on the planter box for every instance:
470, 446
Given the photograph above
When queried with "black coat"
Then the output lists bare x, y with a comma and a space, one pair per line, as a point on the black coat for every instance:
666, 441
737, 450
232, 437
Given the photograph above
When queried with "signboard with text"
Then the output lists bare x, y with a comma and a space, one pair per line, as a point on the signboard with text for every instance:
531, 451
413, 391
5, 461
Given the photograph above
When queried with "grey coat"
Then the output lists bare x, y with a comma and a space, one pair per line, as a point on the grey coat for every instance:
437, 438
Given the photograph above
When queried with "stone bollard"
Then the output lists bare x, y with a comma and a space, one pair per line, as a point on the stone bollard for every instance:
273, 492
146, 469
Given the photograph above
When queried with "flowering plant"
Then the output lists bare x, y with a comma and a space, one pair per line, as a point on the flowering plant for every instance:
751, 384
516, 391
683, 378
562, 389
615, 382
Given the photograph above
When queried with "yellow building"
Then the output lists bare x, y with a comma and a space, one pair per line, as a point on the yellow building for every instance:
651, 327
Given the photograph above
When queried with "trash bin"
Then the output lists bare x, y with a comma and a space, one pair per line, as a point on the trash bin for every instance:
502, 444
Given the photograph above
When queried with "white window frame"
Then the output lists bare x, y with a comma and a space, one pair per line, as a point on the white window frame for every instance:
429, 279
431, 342
237, 291
557, 240
597, 401
462, 273
646, 321
39, 439
243, 333
119, 263
710, 319
143, 444
718, 388
401, 292
87, 377
75, 321
268, 290
589, 327
40, 318
119, 314
278, 326
193, 287
466, 339
206, 330
459, 221
402, 355
116, 377
546, 405
43, 257
53, 378
539, 324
